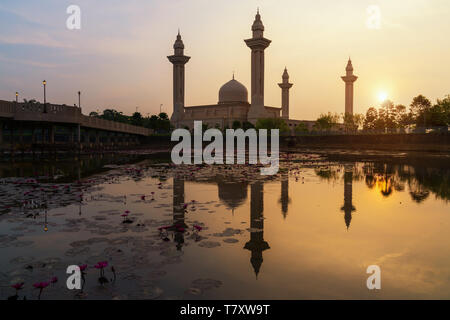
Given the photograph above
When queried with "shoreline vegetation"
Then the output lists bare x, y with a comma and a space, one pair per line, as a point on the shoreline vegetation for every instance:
413, 142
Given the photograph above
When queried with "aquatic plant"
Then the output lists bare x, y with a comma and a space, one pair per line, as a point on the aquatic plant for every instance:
101, 266
41, 286
125, 217
18, 286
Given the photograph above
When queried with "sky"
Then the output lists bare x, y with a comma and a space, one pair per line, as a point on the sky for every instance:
118, 59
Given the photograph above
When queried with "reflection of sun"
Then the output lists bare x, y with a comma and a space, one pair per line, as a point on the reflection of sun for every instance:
382, 96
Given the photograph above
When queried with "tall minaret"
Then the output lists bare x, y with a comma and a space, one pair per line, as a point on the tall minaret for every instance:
284, 199
178, 211
285, 86
178, 60
348, 207
349, 79
258, 44
257, 244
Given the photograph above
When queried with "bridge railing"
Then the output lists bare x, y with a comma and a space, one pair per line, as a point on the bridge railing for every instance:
94, 122
7, 109
63, 114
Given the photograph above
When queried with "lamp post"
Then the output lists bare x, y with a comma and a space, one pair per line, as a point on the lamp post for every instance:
160, 106
44, 83
17, 97
79, 125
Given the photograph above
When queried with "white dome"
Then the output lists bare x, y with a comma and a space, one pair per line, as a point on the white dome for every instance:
233, 91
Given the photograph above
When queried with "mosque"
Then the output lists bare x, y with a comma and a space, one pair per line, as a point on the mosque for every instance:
233, 104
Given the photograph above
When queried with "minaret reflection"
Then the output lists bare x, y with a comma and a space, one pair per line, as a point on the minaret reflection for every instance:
178, 211
348, 207
284, 200
256, 244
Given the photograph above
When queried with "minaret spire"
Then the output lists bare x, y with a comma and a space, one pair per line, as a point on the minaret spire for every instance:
257, 44
349, 79
285, 86
178, 59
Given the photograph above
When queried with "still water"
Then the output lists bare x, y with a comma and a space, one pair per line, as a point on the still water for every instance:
225, 232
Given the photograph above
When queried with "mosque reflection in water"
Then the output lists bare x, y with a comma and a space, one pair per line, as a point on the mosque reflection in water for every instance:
233, 194
383, 178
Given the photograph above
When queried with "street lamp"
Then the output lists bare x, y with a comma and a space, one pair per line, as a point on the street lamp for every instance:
45, 98
160, 106
79, 99
17, 97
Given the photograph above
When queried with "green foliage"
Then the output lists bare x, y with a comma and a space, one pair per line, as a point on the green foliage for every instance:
326, 122
393, 118
352, 122
236, 124
272, 123
301, 128
247, 125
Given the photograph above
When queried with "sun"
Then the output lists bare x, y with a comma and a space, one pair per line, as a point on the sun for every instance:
382, 96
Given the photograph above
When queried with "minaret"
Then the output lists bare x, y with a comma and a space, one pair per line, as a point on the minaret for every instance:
257, 244
178, 211
349, 79
178, 60
284, 199
348, 207
285, 86
258, 44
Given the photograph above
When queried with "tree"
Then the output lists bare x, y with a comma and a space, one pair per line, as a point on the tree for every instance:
236, 124
326, 121
163, 116
389, 115
444, 105
402, 118
380, 122
136, 119
301, 128
419, 108
352, 122
272, 123
370, 119
247, 125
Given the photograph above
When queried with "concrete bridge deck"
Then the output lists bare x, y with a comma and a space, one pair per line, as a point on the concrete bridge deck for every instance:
25, 124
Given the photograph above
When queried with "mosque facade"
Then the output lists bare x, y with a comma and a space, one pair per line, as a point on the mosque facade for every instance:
234, 103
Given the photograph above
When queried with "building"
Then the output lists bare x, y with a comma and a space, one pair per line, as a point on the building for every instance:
233, 104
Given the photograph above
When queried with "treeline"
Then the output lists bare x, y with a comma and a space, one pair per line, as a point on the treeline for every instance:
390, 117
159, 123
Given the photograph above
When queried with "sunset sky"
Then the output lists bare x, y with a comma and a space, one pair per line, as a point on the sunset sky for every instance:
118, 58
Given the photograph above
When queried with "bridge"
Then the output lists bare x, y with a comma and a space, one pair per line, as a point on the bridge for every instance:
35, 125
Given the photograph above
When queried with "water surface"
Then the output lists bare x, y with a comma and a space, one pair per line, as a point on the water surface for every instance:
309, 232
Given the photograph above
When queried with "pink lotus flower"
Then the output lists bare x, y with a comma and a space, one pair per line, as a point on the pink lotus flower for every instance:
143, 198
101, 265
41, 285
83, 267
18, 286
